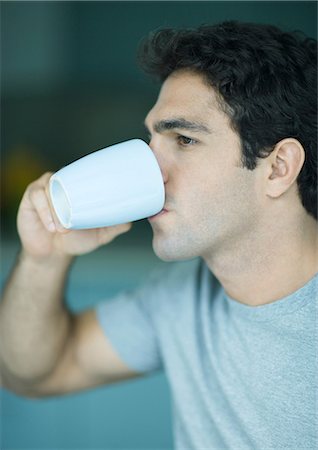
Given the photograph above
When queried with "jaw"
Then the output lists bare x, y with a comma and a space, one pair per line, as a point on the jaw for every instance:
174, 243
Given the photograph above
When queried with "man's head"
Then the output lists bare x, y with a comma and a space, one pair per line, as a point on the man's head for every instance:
253, 87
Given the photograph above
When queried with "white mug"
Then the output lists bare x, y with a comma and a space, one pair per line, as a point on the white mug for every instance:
115, 185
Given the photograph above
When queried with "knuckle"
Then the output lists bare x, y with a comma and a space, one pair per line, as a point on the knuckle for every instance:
40, 183
35, 193
38, 199
31, 187
46, 176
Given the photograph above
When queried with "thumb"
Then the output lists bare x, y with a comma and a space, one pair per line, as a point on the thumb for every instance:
107, 234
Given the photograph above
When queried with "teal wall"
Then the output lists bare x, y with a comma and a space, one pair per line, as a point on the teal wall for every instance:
70, 85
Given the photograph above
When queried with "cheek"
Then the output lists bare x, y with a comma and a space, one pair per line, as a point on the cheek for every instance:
206, 185
225, 193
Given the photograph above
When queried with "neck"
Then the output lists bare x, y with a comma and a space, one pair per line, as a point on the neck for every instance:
268, 265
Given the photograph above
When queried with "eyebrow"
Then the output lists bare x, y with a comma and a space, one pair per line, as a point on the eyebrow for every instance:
180, 123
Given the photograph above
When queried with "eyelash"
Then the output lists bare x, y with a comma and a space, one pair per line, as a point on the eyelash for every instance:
181, 139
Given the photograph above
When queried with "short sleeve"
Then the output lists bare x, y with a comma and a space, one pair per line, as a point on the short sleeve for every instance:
141, 324
127, 322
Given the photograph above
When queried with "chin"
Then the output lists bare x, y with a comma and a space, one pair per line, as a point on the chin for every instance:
171, 251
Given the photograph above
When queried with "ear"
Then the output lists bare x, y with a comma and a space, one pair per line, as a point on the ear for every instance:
284, 164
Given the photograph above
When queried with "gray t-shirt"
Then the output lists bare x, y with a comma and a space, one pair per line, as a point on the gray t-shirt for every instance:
241, 377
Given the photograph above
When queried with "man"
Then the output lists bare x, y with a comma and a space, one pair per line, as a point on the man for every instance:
233, 327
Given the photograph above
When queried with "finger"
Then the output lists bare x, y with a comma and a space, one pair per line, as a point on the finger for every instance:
107, 234
59, 227
43, 183
43, 180
122, 228
40, 203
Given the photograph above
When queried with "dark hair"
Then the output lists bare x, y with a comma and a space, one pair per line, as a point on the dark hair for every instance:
266, 80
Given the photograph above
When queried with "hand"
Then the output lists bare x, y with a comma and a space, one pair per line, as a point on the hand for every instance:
41, 233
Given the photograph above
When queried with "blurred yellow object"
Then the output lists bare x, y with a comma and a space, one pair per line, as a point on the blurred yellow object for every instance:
21, 166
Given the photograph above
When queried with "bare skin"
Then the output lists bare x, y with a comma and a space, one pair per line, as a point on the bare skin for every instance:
44, 349
249, 227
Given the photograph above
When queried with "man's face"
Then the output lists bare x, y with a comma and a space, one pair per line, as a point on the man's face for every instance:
210, 199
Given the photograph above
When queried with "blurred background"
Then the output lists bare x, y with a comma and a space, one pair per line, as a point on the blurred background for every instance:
70, 85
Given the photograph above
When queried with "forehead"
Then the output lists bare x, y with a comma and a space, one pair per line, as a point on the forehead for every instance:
186, 94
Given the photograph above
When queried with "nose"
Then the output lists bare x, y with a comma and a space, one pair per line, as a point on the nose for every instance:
160, 159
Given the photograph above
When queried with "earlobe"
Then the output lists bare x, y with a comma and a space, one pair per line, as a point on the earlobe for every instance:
285, 162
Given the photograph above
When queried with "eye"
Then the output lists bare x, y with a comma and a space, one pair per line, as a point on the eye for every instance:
185, 141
